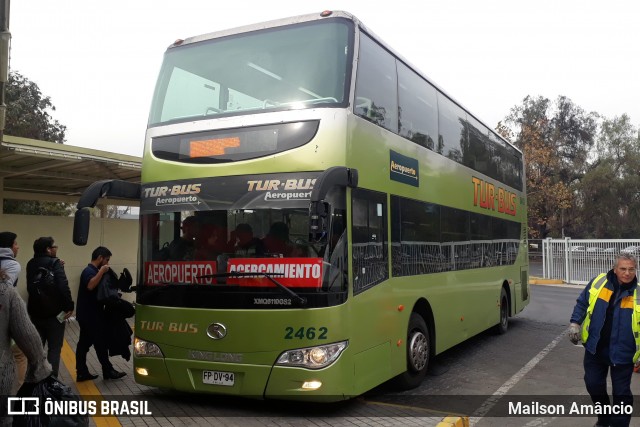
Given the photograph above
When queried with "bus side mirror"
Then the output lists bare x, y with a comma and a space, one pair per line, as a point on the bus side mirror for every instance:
81, 226
317, 220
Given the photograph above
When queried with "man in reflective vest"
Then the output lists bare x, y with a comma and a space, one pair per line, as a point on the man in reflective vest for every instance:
608, 310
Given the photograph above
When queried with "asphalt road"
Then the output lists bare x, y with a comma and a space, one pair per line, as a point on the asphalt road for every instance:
480, 378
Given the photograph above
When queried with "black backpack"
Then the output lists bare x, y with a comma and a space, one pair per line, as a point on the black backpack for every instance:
43, 294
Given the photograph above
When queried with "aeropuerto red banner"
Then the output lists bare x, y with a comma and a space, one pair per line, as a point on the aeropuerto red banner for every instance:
187, 272
291, 272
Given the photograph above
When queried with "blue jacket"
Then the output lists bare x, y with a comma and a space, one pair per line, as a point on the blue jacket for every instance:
622, 344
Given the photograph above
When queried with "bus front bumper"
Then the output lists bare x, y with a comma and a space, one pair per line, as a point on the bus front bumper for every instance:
251, 381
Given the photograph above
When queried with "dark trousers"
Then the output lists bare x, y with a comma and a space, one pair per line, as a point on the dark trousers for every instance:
92, 334
52, 335
595, 378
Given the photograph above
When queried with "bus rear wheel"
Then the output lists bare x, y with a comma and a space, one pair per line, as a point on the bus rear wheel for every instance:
418, 354
503, 325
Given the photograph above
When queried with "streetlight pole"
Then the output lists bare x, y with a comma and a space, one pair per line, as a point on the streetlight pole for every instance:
5, 43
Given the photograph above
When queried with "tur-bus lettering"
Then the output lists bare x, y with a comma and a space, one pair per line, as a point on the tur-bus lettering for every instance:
157, 326
276, 184
176, 190
486, 196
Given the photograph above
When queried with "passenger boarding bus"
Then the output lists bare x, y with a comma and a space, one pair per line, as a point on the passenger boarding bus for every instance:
316, 216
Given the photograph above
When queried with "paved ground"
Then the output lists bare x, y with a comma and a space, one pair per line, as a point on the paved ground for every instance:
175, 409
171, 409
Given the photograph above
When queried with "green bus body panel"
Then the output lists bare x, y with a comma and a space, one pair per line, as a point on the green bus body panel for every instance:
261, 336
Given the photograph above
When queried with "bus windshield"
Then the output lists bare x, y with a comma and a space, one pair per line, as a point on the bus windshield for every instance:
292, 67
230, 259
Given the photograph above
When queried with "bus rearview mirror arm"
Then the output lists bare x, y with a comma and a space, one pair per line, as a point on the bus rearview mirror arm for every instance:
318, 208
110, 187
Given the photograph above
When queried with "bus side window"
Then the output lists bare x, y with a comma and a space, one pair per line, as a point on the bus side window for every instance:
369, 246
363, 107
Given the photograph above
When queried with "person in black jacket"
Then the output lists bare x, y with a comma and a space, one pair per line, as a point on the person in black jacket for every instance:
91, 318
48, 314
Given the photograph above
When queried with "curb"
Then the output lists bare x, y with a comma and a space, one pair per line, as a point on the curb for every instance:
533, 280
454, 422
536, 281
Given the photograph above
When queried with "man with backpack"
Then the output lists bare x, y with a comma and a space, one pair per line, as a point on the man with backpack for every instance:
50, 302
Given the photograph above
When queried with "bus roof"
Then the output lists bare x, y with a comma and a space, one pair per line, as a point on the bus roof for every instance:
332, 14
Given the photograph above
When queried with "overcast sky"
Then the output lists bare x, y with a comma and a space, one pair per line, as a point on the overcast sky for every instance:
98, 60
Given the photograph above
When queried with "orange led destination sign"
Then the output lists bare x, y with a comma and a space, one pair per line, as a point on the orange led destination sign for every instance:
487, 196
212, 147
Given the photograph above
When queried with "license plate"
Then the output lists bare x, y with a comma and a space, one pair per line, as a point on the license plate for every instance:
218, 378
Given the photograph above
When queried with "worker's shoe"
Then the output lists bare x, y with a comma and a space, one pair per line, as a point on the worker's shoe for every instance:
85, 377
113, 374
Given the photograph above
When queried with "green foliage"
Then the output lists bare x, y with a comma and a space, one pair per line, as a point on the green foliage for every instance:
27, 111
582, 169
35, 207
28, 117
612, 180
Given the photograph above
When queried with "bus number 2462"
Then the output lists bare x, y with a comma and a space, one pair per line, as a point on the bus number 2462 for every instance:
308, 333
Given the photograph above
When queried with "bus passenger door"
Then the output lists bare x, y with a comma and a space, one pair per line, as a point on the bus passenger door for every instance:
371, 305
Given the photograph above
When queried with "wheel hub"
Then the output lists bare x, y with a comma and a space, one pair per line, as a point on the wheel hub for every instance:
418, 351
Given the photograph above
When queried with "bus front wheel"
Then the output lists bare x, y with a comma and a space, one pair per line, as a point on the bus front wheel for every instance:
418, 353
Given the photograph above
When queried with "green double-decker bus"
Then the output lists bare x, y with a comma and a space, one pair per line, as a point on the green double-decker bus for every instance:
316, 216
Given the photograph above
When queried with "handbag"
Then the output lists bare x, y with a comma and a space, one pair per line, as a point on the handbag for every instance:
53, 390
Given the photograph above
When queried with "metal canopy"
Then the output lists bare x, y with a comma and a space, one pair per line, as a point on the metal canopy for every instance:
39, 168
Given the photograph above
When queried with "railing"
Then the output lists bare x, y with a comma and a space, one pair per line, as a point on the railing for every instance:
579, 261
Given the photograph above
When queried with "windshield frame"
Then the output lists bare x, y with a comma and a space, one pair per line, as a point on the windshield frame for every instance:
263, 80
211, 276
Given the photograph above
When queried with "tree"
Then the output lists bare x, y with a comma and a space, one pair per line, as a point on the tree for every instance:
612, 182
28, 117
27, 111
556, 140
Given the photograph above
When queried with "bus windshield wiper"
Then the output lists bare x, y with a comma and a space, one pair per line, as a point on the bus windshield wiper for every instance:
301, 300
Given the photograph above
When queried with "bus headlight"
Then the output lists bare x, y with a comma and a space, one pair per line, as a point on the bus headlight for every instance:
144, 348
312, 357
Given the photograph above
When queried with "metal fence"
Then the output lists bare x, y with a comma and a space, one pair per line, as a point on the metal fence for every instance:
579, 261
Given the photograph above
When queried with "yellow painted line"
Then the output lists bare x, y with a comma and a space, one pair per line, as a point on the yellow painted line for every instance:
417, 408
86, 388
454, 422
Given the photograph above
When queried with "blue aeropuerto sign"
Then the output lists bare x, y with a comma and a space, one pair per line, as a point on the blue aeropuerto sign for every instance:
404, 169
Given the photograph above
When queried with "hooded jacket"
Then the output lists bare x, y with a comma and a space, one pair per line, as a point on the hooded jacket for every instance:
9, 264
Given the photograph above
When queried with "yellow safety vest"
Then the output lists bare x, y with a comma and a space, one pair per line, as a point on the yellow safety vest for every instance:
594, 291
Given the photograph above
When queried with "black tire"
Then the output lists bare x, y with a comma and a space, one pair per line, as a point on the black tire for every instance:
418, 354
503, 325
